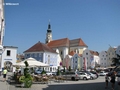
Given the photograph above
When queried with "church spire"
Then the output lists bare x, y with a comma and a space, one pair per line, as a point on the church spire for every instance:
49, 26
49, 34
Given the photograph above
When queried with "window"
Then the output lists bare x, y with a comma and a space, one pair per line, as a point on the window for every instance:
48, 55
112, 53
86, 53
35, 54
8, 52
61, 52
75, 61
39, 54
104, 58
103, 55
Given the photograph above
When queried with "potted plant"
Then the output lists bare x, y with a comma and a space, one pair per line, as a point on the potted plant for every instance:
26, 79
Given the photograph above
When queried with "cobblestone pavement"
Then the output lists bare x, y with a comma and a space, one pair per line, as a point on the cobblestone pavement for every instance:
97, 84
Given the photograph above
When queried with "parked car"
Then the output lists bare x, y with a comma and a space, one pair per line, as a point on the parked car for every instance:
93, 76
84, 75
103, 73
38, 71
54, 73
71, 76
93, 72
118, 74
49, 73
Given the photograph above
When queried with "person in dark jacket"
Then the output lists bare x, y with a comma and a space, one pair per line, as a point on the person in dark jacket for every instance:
113, 80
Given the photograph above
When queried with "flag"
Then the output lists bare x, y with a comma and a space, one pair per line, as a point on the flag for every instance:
79, 63
92, 62
85, 64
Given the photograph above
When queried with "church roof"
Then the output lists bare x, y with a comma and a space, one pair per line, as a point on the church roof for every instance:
40, 47
66, 42
59, 43
77, 42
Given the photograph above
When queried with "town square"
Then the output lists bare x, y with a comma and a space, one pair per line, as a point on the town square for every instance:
59, 45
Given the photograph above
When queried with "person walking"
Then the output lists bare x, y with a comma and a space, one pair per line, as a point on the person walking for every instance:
107, 80
4, 74
113, 80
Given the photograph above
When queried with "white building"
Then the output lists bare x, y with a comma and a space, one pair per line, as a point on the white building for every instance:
9, 57
118, 50
2, 27
103, 59
111, 52
45, 54
64, 45
92, 58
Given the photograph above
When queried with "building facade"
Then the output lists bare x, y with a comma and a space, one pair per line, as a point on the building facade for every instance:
92, 58
41, 52
9, 58
76, 62
103, 59
2, 28
67, 61
111, 52
65, 46
118, 50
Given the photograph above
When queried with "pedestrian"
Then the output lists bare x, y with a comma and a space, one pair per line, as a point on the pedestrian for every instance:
4, 74
107, 80
113, 80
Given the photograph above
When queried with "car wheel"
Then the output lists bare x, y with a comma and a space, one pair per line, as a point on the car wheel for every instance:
84, 78
91, 78
73, 78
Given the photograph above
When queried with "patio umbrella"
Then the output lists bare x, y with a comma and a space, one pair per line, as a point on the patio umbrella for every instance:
32, 63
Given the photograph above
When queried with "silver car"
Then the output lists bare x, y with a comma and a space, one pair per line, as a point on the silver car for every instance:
84, 75
93, 76
71, 76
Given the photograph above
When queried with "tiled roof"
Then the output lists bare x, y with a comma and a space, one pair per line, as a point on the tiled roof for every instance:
77, 42
59, 43
94, 53
40, 47
73, 53
66, 42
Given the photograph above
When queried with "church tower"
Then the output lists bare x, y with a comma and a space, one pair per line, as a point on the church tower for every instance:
48, 34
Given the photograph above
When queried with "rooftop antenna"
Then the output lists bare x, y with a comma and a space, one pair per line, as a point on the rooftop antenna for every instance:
49, 21
109, 45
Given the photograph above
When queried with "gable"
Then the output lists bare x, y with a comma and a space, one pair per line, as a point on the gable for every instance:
40, 47
77, 42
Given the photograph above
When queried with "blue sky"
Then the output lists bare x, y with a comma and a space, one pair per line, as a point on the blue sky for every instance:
97, 22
